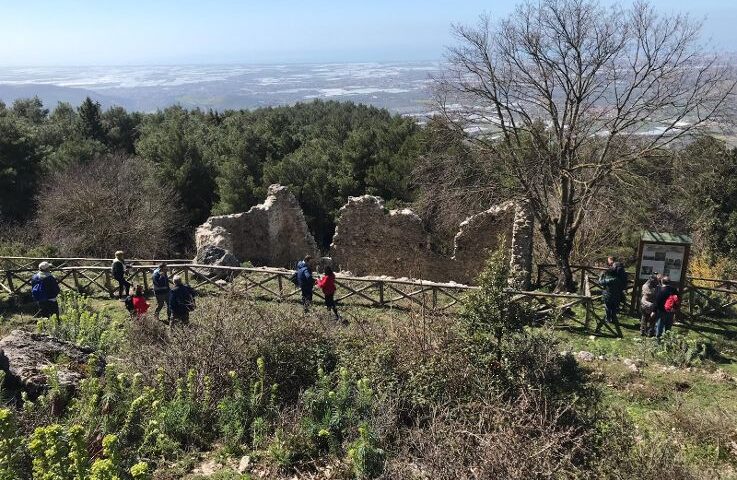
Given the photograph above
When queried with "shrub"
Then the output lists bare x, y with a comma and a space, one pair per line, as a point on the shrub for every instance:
226, 335
79, 323
679, 351
489, 313
110, 203
244, 414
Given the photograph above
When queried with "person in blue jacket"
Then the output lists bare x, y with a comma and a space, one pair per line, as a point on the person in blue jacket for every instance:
161, 290
45, 289
306, 281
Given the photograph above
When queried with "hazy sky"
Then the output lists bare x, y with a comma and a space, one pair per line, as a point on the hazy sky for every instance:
84, 32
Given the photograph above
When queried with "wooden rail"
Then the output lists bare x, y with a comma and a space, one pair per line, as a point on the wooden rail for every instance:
275, 284
701, 296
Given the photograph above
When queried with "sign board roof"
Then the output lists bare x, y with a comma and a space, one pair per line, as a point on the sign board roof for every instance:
657, 237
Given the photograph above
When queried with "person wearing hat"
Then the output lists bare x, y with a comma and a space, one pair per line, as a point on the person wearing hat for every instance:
118, 272
45, 289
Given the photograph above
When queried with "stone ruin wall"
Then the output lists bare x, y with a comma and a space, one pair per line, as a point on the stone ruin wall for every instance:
273, 233
372, 240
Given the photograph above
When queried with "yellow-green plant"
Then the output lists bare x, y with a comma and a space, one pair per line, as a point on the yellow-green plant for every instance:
10, 446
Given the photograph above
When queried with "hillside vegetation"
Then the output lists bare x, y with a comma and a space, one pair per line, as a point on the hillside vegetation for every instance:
259, 390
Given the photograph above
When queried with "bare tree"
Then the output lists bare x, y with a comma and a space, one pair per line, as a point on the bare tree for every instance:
112, 203
569, 95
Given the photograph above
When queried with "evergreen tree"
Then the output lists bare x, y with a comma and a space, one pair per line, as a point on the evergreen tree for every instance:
90, 120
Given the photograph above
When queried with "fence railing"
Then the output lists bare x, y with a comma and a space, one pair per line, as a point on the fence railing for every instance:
702, 296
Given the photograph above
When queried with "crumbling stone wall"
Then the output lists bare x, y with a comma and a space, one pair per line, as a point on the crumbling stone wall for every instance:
273, 233
372, 240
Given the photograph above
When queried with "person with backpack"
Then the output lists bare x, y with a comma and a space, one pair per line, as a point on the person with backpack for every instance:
306, 281
118, 269
181, 301
613, 281
139, 303
647, 306
161, 291
45, 289
667, 302
327, 285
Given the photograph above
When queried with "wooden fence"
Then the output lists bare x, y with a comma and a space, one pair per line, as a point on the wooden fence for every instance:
703, 296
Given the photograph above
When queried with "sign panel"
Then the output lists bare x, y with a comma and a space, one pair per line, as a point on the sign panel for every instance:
665, 259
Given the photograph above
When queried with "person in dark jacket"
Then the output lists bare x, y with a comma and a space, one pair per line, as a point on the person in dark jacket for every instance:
161, 291
611, 283
45, 289
181, 301
327, 285
665, 319
118, 272
306, 281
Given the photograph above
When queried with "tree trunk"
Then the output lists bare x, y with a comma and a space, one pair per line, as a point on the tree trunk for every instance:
562, 250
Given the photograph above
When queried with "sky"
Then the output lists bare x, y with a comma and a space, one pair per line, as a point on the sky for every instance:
135, 32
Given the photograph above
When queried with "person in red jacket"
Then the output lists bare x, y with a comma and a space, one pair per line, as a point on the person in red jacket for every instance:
327, 285
140, 305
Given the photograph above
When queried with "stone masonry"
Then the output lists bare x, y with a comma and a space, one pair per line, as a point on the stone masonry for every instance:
372, 240
273, 233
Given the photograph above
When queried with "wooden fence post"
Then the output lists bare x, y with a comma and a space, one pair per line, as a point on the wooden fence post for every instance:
381, 293
75, 277
434, 297
281, 286
108, 285
9, 275
144, 272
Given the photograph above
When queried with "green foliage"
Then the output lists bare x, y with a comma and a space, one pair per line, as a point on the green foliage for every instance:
489, 313
334, 409
10, 447
365, 456
20, 157
676, 350
244, 414
80, 324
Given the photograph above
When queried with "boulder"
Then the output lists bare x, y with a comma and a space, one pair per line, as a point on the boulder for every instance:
216, 256
25, 358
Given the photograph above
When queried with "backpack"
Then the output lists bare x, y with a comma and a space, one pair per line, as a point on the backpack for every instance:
129, 304
672, 303
39, 291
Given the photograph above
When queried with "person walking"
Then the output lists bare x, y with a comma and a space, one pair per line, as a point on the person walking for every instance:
665, 310
647, 306
306, 281
181, 301
140, 305
327, 285
161, 291
118, 269
611, 283
45, 289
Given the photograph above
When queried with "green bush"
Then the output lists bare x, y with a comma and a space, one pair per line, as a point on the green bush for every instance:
245, 415
79, 323
676, 350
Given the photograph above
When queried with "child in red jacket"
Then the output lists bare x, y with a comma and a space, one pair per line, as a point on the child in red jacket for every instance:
327, 285
140, 305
